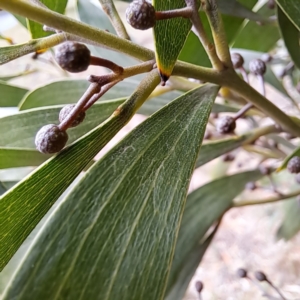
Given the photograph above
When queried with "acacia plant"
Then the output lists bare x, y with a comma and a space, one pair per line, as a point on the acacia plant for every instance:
127, 227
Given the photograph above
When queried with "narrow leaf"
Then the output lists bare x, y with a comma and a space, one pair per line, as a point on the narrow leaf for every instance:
214, 149
204, 206
11, 95
114, 235
36, 29
22, 207
258, 37
291, 9
168, 39
290, 35
18, 157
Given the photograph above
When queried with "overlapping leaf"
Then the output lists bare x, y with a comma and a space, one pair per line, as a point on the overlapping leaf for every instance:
18, 157
204, 206
258, 37
113, 236
291, 9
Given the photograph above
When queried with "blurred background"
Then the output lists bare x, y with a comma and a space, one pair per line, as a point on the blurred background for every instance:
248, 236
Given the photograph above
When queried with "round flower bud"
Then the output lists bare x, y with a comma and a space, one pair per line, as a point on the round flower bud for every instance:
237, 60
225, 125
140, 14
257, 67
294, 164
199, 286
251, 186
264, 170
65, 111
260, 276
50, 139
73, 57
242, 273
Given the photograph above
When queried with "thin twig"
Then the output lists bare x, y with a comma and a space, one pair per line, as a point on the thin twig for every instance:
276, 198
97, 96
185, 12
109, 8
200, 32
92, 89
211, 9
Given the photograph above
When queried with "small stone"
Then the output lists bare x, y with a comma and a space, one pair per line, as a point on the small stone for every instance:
226, 125
294, 165
237, 60
66, 110
257, 67
140, 14
73, 57
50, 139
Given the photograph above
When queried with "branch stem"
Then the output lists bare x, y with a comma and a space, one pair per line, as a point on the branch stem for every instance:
109, 8
214, 17
258, 100
92, 89
276, 198
185, 12
200, 32
98, 61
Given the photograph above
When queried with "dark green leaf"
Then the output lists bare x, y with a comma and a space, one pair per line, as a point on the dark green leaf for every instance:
12, 52
10, 95
55, 93
19, 130
25, 205
204, 206
291, 221
168, 39
36, 29
214, 149
114, 235
290, 35
291, 9
258, 37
